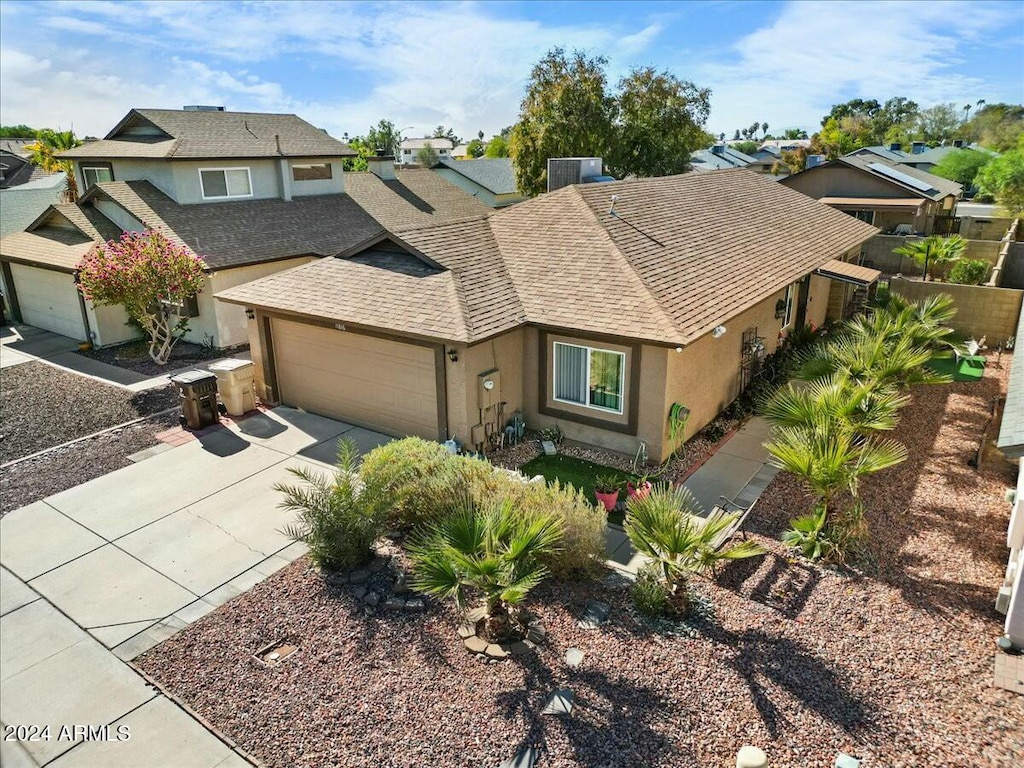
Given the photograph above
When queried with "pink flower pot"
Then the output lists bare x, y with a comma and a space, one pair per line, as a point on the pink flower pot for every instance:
608, 499
638, 492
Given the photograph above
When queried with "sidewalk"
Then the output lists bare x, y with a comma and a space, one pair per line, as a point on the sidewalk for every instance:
23, 343
738, 470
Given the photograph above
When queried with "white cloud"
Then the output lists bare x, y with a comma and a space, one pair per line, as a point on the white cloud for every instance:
812, 56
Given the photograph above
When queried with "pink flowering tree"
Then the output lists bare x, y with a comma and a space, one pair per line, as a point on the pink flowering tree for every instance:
151, 277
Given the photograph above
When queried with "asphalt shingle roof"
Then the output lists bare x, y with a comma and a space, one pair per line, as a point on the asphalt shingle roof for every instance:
57, 247
23, 204
495, 174
207, 134
681, 255
707, 160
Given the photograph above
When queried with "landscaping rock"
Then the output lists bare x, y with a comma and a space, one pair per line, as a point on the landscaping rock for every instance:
415, 605
358, 576
394, 604
519, 647
378, 564
401, 586
476, 644
372, 599
359, 592
524, 758
574, 657
558, 702
466, 630
549, 448
595, 615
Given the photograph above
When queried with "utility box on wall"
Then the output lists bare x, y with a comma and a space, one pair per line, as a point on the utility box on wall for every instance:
489, 388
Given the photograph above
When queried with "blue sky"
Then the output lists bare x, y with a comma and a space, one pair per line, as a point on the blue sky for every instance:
343, 66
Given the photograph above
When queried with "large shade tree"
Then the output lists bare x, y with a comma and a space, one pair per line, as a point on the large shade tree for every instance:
151, 277
1003, 178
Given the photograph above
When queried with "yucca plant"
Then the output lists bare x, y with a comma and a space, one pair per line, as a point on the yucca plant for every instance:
336, 521
667, 526
491, 552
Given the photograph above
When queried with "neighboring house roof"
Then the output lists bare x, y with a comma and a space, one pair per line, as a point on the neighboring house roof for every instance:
680, 255
903, 178
495, 174
171, 133
460, 151
435, 143
417, 198
709, 160
20, 206
893, 156
50, 246
1011, 431
777, 145
16, 146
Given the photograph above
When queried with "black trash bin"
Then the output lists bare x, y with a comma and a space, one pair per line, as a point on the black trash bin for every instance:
198, 393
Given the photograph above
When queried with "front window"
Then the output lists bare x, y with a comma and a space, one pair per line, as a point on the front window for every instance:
225, 182
96, 174
311, 172
593, 378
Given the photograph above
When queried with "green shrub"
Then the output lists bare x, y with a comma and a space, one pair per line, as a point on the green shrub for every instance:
337, 521
553, 433
410, 477
583, 523
649, 595
969, 272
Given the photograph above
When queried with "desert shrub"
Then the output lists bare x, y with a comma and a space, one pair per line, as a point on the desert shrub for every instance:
338, 520
582, 548
969, 272
649, 595
411, 478
553, 433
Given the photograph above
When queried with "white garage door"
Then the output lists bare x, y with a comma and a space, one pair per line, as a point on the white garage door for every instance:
49, 300
380, 384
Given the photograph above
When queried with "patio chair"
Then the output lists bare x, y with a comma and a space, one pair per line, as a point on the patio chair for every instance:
736, 526
972, 348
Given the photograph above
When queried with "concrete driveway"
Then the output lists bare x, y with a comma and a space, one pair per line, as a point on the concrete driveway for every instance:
100, 573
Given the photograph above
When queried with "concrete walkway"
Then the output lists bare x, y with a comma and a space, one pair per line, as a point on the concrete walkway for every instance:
24, 343
738, 470
96, 575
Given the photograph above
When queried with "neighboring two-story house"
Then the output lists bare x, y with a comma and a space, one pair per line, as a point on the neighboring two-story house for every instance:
249, 193
895, 198
409, 149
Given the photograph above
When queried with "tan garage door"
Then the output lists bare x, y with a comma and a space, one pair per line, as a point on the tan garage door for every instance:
380, 384
49, 300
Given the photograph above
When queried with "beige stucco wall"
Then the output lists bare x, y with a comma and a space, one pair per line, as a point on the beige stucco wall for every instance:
504, 353
226, 323
110, 324
981, 310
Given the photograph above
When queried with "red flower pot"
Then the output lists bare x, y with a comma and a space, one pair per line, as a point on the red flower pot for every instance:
608, 499
638, 492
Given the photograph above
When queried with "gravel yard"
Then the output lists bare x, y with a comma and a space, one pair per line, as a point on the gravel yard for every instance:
892, 663
44, 406
135, 356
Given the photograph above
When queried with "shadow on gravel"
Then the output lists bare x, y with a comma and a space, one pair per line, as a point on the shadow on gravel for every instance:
794, 668
612, 722
773, 581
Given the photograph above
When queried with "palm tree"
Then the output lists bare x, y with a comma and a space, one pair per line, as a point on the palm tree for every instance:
865, 407
491, 552
666, 526
44, 155
935, 250
924, 322
874, 362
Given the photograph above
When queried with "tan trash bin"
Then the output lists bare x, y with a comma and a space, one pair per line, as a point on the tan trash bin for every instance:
236, 384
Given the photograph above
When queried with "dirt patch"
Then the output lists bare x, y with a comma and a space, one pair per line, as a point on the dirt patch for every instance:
134, 356
892, 663
44, 406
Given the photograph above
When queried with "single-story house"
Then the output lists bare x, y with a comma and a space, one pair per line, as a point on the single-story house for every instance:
718, 157
595, 307
893, 197
492, 180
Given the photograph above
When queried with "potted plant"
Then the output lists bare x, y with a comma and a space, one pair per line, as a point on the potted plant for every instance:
606, 489
639, 488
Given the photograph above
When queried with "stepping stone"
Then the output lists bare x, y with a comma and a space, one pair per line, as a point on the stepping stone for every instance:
559, 702
524, 758
549, 448
358, 576
475, 644
595, 614
574, 657
467, 630
495, 651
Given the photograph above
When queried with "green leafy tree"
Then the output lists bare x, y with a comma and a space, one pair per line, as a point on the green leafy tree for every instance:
794, 133
45, 154
567, 112
659, 124
17, 132
995, 126
497, 147
852, 108
364, 150
427, 156
746, 147
938, 123
385, 136
961, 166
492, 552
476, 148
446, 133
151, 277
833, 140
667, 526
1003, 178
790, 161
336, 522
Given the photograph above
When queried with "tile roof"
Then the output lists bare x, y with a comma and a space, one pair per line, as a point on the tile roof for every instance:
495, 174
177, 133
1011, 430
681, 255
